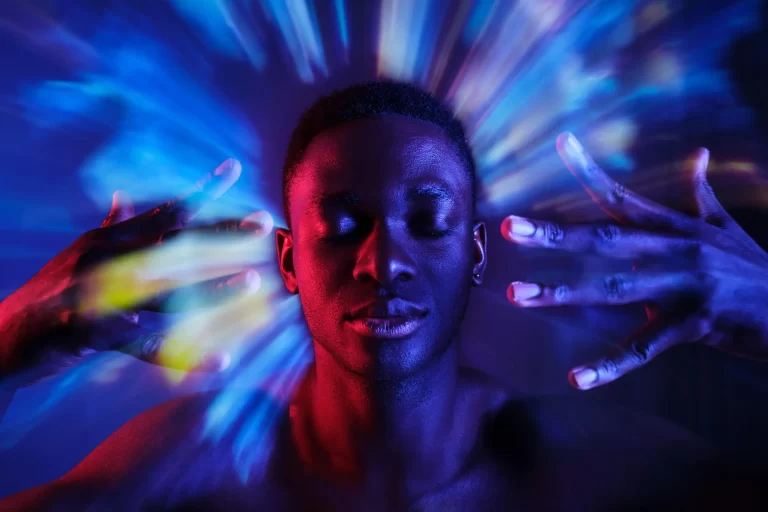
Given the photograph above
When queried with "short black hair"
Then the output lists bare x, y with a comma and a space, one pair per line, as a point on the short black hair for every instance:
370, 100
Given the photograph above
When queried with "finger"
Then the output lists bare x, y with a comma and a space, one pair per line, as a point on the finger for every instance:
710, 209
122, 209
206, 294
258, 223
653, 339
621, 288
153, 348
177, 213
127, 281
618, 202
605, 239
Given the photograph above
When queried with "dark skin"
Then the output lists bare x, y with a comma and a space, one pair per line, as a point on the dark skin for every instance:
373, 228
382, 215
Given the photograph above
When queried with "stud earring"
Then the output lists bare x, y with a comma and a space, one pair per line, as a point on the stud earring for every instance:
476, 275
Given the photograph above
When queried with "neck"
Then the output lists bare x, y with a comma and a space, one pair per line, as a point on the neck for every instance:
355, 424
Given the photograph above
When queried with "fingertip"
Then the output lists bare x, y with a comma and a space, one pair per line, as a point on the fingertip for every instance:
703, 159
222, 361
120, 196
697, 164
573, 154
121, 201
249, 281
583, 378
215, 363
230, 168
260, 222
520, 291
252, 281
511, 293
506, 229
564, 141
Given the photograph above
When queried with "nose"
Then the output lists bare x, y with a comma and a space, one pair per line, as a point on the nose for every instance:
383, 258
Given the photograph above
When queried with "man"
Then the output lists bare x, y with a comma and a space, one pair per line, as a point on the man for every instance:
383, 250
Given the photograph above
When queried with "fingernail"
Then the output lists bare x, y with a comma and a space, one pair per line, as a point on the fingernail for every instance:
572, 144
120, 197
583, 377
260, 222
516, 226
572, 152
249, 281
518, 291
215, 184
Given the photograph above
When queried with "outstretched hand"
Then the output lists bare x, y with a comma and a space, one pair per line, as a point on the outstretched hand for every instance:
88, 297
703, 279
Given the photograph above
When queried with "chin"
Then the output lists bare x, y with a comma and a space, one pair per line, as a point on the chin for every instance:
393, 360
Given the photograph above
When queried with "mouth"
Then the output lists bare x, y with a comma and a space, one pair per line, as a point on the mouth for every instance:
392, 320
393, 327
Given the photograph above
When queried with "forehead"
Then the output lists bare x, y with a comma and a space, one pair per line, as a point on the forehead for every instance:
375, 156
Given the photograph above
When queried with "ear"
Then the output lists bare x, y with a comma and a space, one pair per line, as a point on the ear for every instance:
480, 252
284, 243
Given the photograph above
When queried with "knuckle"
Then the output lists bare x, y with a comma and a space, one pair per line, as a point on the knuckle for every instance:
150, 346
607, 234
561, 292
228, 226
173, 213
592, 168
693, 246
608, 368
109, 219
553, 233
640, 352
618, 193
616, 287
716, 219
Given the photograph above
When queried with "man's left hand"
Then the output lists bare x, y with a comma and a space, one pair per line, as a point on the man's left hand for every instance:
703, 279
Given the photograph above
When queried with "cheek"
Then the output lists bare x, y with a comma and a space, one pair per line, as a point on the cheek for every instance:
319, 273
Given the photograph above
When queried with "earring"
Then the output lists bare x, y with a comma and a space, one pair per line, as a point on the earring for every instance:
476, 275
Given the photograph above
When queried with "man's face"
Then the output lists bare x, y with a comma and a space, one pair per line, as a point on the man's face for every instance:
383, 244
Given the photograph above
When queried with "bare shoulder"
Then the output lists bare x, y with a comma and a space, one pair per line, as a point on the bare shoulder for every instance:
137, 447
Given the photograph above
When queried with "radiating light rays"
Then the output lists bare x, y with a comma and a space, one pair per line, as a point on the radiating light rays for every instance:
255, 397
655, 181
520, 76
169, 127
297, 22
515, 95
341, 19
407, 33
448, 46
227, 27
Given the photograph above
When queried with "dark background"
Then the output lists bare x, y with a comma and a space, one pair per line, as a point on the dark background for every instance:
49, 143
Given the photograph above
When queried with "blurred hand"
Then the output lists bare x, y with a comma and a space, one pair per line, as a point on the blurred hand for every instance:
74, 305
702, 279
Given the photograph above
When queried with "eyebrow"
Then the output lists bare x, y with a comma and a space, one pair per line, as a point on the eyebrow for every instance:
338, 198
429, 192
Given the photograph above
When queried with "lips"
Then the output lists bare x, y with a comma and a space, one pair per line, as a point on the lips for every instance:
392, 319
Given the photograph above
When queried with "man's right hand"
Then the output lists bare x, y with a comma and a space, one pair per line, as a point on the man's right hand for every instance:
61, 314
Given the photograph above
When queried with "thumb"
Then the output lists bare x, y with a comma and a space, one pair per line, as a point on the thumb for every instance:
122, 209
